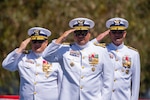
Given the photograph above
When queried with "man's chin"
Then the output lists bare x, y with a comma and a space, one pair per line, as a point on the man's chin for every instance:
118, 42
82, 43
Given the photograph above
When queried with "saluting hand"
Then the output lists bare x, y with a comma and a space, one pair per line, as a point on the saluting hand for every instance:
64, 35
102, 35
23, 45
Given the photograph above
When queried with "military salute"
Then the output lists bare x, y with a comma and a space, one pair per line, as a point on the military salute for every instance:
39, 79
125, 59
82, 70
87, 69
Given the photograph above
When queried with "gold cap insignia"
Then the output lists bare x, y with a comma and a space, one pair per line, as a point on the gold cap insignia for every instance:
80, 22
117, 22
36, 32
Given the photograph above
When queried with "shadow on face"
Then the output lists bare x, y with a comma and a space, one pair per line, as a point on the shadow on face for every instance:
82, 36
38, 46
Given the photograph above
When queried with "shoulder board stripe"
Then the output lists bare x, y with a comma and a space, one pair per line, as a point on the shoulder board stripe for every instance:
132, 48
100, 44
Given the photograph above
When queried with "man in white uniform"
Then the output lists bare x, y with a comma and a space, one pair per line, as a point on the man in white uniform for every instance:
125, 59
39, 79
87, 69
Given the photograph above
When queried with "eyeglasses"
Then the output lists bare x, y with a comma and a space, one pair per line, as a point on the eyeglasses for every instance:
117, 31
37, 41
81, 32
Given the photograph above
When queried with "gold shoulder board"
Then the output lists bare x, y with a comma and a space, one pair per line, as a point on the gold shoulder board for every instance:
101, 44
132, 48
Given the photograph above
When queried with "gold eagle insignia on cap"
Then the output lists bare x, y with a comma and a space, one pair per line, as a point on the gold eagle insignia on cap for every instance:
80, 22
36, 32
117, 22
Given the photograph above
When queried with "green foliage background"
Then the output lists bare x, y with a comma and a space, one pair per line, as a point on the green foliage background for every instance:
17, 16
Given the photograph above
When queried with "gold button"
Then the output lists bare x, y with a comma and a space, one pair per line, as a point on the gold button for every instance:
71, 64
36, 73
82, 77
82, 67
35, 83
127, 71
93, 69
34, 93
81, 87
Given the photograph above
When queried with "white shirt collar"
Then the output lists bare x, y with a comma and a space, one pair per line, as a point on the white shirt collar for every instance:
117, 47
83, 46
38, 54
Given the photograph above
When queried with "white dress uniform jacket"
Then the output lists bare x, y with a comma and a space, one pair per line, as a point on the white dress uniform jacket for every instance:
83, 68
126, 61
39, 79
127, 72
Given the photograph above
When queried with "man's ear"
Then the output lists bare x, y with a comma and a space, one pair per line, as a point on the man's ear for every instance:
125, 33
89, 34
46, 42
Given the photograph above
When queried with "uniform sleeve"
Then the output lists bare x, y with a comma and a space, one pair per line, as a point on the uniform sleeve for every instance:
108, 76
11, 61
136, 78
94, 40
52, 53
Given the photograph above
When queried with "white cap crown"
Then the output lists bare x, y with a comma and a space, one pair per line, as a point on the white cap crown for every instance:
117, 24
39, 33
81, 23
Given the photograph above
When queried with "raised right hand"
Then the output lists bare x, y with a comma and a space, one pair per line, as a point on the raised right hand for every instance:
23, 45
64, 36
